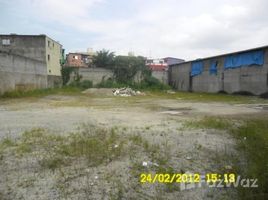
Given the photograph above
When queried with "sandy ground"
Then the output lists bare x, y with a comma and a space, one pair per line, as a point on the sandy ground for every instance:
156, 119
63, 114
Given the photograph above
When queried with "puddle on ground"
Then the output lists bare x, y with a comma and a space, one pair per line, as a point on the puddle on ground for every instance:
171, 112
261, 107
175, 111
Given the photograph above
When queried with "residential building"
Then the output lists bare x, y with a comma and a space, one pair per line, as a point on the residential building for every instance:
80, 59
159, 67
29, 62
156, 64
172, 61
37, 47
161, 64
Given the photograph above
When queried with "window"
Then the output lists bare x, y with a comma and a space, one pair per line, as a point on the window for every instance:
48, 43
48, 57
53, 44
49, 71
6, 42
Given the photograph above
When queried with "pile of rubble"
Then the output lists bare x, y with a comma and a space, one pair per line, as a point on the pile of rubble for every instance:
126, 92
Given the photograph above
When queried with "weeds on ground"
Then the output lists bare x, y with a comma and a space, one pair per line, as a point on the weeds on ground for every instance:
252, 138
252, 142
209, 97
96, 145
210, 122
41, 92
85, 84
149, 84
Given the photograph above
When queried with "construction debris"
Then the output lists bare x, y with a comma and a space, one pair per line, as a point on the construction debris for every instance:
171, 92
126, 92
149, 163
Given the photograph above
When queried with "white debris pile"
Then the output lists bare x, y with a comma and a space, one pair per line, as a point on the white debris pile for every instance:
126, 92
149, 163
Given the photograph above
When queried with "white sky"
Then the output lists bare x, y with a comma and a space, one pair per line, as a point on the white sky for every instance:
158, 28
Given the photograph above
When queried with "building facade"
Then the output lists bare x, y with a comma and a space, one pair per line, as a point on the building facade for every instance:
78, 60
243, 71
37, 47
173, 61
159, 67
29, 62
53, 53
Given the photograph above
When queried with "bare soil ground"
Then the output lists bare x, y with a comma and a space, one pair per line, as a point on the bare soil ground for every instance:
157, 121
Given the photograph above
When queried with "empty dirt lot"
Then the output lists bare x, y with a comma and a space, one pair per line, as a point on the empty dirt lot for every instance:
47, 150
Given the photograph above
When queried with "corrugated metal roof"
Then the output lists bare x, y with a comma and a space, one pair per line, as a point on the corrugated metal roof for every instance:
242, 51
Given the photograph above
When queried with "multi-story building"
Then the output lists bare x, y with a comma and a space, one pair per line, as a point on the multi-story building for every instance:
37, 47
156, 64
159, 67
80, 59
162, 63
29, 62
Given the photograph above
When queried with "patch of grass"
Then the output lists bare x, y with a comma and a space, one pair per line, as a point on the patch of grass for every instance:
41, 92
209, 97
92, 146
23, 148
147, 127
252, 137
209, 122
117, 193
34, 133
52, 162
149, 84
6, 142
252, 141
97, 145
136, 139
85, 84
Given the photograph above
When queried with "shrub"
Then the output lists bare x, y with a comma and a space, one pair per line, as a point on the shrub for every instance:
40, 92
65, 73
243, 93
110, 84
264, 95
152, 83
85, 84
149, 83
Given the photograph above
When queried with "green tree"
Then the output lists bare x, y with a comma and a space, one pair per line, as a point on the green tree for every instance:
65, 74
126, 67
104, 58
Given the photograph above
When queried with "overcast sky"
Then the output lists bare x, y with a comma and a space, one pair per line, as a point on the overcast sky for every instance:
158, 28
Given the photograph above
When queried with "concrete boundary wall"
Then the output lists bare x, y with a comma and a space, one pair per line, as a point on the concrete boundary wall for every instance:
162, 76
96, 75
253, 79
54, 81
22, 73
